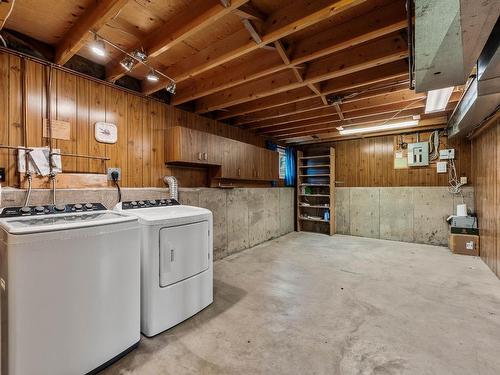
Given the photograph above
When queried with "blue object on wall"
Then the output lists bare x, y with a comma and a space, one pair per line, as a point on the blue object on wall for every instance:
290, 166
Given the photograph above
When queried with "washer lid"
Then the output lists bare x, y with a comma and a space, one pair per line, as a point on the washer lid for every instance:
170, 214
48, 223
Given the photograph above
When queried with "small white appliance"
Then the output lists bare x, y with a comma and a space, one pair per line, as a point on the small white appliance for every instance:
70, 295
176, 261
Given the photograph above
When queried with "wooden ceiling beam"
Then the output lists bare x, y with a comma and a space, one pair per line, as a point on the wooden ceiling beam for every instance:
298, 15
332, 127
355, 120
385, 50
261, 108
6, 7
198, 16
360, 102
424, 125
372, 25
91, 20
249, 12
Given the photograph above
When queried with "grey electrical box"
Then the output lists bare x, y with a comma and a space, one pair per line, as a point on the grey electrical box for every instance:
418, 154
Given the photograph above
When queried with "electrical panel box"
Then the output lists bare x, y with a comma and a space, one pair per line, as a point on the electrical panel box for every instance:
418, 154
447, 154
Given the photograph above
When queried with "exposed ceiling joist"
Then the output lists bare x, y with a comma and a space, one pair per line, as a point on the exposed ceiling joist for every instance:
185, 25
372, 25
248, 11
299, 15
388, 49
424, 125
252, 30
366, 78
6, 7
92, 19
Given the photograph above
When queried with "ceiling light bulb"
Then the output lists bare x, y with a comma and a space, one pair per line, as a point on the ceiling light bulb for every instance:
437, 100
339, 128
171, 87
98, 47
369, 129
127, 64
152, 76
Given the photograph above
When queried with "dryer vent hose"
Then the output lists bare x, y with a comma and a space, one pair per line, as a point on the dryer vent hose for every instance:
171, 181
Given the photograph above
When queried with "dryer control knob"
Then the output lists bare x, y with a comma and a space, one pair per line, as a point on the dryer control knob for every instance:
133, 203
78, 206
89, 206
60, 207
163, 201
39, 209
152, 202
141, 203
25, 210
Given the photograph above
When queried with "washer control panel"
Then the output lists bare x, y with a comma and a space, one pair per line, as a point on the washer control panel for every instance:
130, 205
51, 209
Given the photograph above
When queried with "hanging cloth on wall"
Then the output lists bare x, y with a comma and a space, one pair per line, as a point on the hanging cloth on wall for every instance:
290, 174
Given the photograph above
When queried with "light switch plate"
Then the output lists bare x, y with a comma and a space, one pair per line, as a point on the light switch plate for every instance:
442, 166
463, 180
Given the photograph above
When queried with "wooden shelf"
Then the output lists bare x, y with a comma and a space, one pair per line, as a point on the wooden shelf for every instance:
324, 185
314, 175
315, 195
315, 166
314, 206
309, 219
314, 157
318, 185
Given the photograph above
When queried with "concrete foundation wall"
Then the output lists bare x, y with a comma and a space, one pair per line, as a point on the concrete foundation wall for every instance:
411, 214
242, 217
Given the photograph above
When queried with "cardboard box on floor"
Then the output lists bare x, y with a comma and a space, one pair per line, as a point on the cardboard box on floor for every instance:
465, 244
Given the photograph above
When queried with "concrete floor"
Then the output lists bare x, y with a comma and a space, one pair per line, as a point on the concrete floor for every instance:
312, 304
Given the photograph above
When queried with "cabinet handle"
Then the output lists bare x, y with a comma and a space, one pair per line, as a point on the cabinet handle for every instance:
199, 155
239, 171
205, 156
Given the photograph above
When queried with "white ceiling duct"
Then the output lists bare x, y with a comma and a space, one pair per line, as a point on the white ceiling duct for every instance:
449, 36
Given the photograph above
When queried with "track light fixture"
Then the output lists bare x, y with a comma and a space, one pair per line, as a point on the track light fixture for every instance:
140, 55
127, 63
131, 58
171, 87
98, 47
152, 76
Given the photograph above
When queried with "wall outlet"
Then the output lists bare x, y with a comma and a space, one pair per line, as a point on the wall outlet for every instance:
463, 180
111, 170
447, 154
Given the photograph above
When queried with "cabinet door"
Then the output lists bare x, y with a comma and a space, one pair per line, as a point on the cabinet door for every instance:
231, 159
269, 165
215, 150
193, 146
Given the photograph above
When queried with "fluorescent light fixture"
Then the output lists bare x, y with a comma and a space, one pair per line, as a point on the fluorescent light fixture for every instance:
370, 129
437, 100
152, 76
98, 47
127, 64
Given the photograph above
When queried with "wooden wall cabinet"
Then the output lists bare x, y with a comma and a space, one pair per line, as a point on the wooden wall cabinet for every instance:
237, 160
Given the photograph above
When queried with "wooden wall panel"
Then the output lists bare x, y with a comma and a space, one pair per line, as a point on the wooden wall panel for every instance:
370, 162
486, 167
141, 122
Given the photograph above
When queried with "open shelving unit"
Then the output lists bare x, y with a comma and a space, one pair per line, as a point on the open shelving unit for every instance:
316, 192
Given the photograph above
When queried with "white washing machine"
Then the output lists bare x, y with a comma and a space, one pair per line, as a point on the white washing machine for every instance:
176, 261
70, 284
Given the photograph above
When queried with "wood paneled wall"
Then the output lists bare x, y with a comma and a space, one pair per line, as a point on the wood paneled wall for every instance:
370, 162
141, 124
486, 167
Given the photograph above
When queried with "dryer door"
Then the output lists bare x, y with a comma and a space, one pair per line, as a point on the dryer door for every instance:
183, 252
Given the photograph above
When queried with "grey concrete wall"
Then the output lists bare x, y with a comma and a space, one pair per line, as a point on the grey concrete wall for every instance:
242, 217
411, 214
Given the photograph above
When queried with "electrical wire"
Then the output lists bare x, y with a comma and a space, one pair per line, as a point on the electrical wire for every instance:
455, 186
115, 181
434, 145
